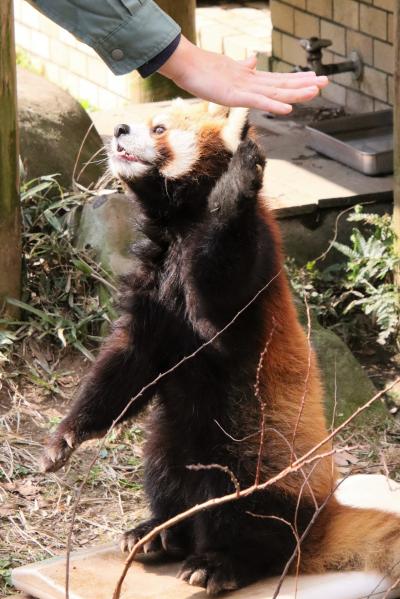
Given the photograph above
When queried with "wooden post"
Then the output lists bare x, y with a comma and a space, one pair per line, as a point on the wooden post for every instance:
396, 130
156, 87
10, 214
183, 12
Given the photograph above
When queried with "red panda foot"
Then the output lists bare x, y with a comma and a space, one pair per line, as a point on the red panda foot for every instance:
212, 571
250, 155
133, 536
166, 543
57, 450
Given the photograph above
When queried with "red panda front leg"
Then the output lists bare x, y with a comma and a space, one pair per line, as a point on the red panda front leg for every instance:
238, 187
118, 374
226, 265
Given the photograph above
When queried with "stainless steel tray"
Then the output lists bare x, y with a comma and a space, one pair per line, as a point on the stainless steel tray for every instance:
362, 141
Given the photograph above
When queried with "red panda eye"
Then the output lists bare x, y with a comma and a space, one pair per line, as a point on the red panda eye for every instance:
159, 129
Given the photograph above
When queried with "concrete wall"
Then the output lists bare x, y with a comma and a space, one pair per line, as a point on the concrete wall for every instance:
362, 25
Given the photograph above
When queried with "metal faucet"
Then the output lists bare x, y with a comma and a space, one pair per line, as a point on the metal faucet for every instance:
313, 47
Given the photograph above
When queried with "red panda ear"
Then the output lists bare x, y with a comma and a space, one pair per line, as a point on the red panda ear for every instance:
236, 127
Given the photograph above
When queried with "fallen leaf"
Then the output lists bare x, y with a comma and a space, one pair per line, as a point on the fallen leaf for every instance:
8, 509
25, 488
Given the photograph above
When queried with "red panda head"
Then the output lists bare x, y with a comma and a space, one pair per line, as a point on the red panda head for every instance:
183, 142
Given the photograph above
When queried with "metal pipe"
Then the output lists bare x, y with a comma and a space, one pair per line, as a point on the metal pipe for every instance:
314, 46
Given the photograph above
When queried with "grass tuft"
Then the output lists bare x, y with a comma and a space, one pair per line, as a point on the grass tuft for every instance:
61, 284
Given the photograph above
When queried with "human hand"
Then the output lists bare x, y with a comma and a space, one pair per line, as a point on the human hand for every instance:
228, 82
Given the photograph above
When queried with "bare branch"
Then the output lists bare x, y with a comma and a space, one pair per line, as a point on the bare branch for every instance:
225, 469
261, 401
306, 459
216, 502
306, 380
336, 231
351, 418
303, 536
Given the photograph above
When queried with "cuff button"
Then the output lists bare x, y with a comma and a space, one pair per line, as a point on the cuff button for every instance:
117, 54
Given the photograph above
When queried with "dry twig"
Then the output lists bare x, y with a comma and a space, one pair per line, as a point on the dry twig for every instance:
306, 380
261, 402
308, 458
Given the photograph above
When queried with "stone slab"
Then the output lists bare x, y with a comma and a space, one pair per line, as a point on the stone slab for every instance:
94, 572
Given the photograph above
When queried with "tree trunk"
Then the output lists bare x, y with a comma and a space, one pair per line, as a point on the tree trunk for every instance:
10, 215
156, 87
396, 131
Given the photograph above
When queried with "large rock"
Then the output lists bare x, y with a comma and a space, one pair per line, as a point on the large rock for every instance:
353, 388
107, 225
347, 386
52, 127
307, 236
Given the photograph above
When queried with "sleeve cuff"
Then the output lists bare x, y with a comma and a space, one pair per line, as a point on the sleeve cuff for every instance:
139, 40
155, 63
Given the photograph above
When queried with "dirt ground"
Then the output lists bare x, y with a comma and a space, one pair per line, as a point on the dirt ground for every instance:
36, 387
35, 508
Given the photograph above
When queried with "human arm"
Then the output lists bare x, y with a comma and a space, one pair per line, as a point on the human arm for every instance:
228, 82
126, 34
137, 34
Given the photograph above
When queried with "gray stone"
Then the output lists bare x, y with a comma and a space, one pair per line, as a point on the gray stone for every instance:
347, 386
108, 225
101, 567
52, 127
306, 237
353, 387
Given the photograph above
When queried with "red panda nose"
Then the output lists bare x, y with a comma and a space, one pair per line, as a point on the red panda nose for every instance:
121, 130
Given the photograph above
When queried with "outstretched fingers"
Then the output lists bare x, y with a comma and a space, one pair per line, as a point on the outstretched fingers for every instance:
287, 96
291, 80
256, 100
278, 101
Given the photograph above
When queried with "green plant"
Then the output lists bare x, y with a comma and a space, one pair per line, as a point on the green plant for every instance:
87, 105
24, 60
370, 273
5, 573
61, 284
359, 295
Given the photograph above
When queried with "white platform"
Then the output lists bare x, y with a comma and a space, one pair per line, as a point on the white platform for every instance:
94, 572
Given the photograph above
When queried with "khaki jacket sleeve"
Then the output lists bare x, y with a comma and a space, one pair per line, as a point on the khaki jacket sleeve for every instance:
125, 33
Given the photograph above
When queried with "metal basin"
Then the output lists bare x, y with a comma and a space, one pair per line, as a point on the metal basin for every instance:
362, 141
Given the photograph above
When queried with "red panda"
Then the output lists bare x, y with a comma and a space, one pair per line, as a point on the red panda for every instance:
210, 246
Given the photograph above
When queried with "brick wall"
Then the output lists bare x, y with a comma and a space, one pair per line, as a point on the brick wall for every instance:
362, 25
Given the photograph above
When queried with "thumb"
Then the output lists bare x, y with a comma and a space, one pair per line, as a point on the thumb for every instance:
249, 62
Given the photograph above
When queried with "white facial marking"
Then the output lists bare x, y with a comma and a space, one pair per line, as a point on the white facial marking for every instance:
160, 119
233, 129
132, 154
185, 151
